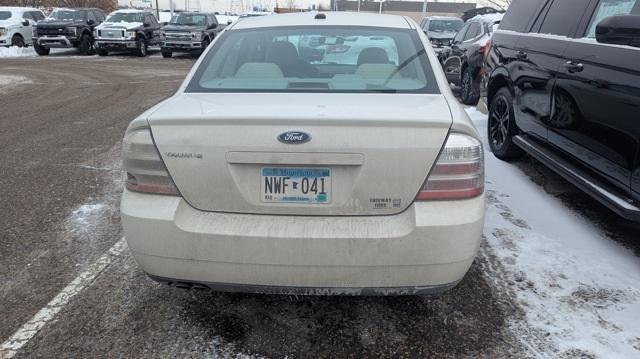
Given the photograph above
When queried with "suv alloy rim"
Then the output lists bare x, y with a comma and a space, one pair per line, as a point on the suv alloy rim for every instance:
499, 122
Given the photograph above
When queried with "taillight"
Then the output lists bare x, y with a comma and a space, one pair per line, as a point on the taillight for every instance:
144, 167
458, 172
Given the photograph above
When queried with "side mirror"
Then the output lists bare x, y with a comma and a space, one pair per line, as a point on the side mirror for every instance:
146, 24
26, 22
212, 26
90, 22
619, 30
229, 22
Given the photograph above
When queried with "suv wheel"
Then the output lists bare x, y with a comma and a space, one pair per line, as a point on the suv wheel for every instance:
470, 92
501, 127
84, 46
17, 40
41, 50
141, 51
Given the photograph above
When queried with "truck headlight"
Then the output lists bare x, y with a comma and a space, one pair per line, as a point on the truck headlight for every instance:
3, 31
95, 33
73, 31
197, 36
131, 34
34, 32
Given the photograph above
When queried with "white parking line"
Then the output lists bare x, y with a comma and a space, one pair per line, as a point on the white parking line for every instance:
22, 336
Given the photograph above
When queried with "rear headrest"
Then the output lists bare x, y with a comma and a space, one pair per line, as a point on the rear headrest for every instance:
258, 70
282, 52
373, 55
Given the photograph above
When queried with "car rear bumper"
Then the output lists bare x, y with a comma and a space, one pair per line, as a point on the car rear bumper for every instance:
428, 248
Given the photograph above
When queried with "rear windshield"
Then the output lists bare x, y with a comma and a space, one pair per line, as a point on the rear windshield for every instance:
445, 25
312, 59
5, 15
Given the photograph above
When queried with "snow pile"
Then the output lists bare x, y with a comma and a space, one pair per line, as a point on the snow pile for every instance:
15, 51
580, 290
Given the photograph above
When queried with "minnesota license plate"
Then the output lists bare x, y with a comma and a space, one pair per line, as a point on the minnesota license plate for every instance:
296, 185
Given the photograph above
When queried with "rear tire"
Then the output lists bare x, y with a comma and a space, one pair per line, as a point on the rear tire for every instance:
102, 52
41, 50
470, 91
17, 41
167, 54
84, 46
141, 51
501, 127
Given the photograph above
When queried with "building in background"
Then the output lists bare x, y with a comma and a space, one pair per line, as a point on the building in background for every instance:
412, 9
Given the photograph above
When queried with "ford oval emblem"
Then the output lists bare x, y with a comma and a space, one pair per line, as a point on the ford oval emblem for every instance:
294, 137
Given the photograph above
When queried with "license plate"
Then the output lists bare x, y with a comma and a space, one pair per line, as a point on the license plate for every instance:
296, 185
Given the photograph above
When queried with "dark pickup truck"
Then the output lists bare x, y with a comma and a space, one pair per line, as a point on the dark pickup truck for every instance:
190, 32
128, 30
67, 28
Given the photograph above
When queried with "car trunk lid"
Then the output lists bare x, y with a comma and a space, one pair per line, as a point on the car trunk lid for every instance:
367, 154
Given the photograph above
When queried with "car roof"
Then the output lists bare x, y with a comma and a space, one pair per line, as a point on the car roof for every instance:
331, 19
487, 18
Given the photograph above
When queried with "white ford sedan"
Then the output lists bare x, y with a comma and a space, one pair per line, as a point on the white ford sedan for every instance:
287, 163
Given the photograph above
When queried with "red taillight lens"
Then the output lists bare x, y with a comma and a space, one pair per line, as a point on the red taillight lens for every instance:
458, 172
144, 167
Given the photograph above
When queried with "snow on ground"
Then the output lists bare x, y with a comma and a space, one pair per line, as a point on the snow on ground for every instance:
580, 290
15, 51
8, 81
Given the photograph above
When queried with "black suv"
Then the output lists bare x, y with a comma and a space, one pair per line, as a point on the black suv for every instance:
463, 61
67, 28
564, 86
190, 32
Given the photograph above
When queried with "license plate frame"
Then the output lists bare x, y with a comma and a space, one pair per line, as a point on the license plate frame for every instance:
303, 185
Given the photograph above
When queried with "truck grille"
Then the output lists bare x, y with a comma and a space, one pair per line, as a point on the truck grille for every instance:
116, 33
51, 31
178, 36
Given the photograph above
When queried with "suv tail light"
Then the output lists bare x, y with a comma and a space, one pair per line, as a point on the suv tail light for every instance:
458, 172
145, 170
